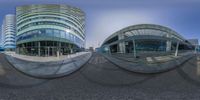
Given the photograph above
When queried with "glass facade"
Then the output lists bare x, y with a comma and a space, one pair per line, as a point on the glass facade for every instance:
150, 45
145, 38
50, 28
9, 32
46, 48
44, 34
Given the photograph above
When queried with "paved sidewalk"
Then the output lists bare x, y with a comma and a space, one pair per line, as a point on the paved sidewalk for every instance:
44, 59
150, 59
149, 64
101, 80
48, 68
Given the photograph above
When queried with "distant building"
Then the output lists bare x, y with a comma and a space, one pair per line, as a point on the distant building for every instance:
91, 49
198, 48
1, 44
195, 43
8, 34
97, 49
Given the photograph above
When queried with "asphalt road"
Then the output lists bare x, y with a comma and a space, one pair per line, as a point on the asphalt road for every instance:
101, 80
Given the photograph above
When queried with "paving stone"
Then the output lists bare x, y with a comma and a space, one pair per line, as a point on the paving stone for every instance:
100, 79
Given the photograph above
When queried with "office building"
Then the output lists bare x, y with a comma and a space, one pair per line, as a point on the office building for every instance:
8, 34
146, 38
49, 30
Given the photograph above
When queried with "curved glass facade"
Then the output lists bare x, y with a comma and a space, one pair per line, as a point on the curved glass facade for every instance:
60, 24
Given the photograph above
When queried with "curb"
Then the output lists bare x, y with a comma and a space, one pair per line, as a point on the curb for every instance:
148, 69
50, 76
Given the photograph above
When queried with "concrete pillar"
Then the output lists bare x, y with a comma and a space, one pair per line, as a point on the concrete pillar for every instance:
59, 48
176, 52
57, 53
71, 51
121, 44
109, 52
38, 48
48, 51
23, 49
134, 48
196, 48
70, 48
168, 43
45, 51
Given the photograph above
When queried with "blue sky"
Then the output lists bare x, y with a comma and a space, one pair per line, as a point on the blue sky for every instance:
105, 17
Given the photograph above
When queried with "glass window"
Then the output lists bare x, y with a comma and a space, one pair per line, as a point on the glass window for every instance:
62, 33
39, 33
74, 38
71, 37
49, 32
67, 35
56, 33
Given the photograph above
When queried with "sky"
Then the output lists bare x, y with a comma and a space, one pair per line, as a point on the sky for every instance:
104, 17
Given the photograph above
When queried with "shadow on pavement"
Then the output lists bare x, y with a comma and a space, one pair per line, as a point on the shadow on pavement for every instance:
12, 79
190, 71
51, 69
100, 71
